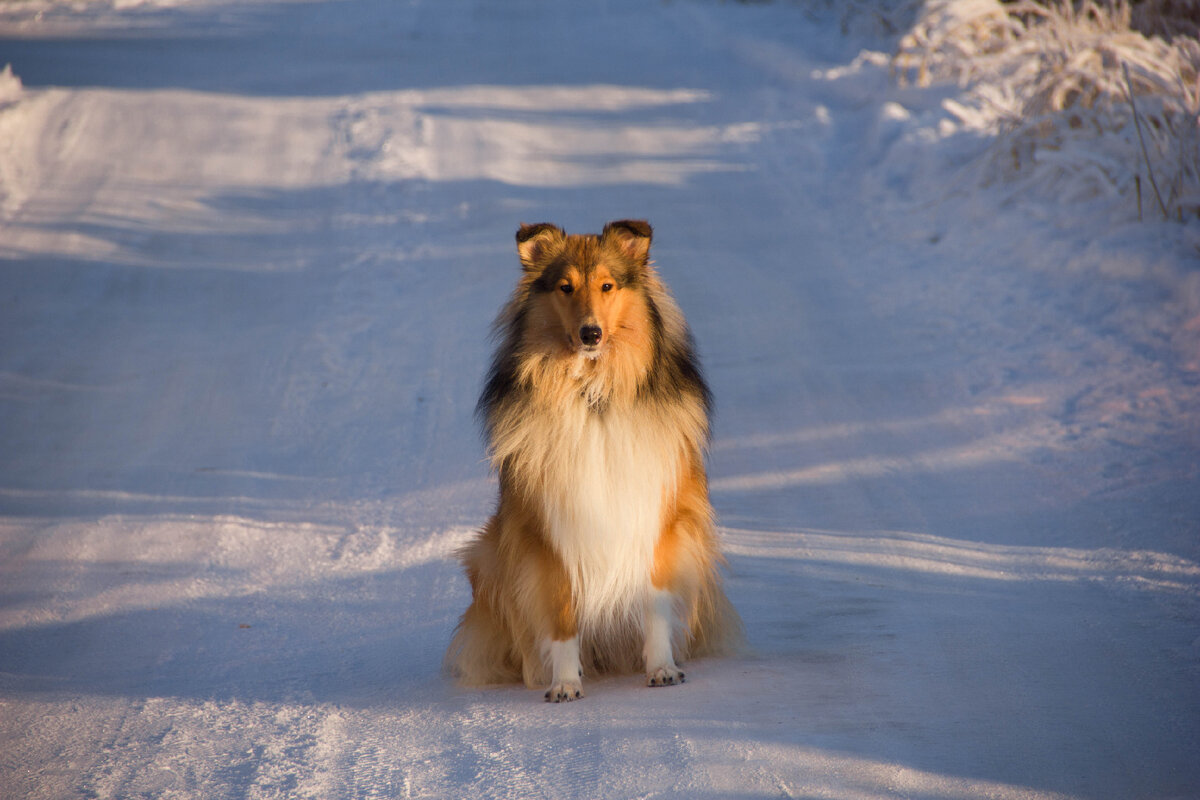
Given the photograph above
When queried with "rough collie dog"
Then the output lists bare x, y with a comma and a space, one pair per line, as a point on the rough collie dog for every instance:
602, 554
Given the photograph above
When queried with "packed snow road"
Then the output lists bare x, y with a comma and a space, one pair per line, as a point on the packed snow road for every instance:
249, 256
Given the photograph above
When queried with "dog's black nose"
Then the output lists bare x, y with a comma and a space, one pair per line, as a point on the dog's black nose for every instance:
590, 335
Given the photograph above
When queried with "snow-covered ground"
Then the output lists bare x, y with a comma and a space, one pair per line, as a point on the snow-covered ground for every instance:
249, 255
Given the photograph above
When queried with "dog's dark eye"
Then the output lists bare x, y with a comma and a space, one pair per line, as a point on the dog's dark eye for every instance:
566, 288
608, 287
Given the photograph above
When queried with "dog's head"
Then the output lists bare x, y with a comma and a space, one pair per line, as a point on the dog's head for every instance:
591, 284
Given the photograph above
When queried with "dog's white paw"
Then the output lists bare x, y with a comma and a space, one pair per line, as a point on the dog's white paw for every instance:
564, 692
665, 676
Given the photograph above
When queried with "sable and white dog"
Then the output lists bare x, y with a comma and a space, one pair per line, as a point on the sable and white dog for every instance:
602, 554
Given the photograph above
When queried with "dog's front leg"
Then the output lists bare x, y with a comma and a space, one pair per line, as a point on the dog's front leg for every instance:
566, 674
659, 626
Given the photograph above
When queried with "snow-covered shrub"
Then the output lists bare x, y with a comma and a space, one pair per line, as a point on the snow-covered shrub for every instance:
1082, 102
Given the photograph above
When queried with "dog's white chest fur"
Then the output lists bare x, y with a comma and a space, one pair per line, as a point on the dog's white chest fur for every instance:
606, 486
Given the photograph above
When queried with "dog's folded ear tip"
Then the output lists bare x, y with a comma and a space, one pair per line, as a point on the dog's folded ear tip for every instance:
537, 240
631, 236
527, 231
638, 227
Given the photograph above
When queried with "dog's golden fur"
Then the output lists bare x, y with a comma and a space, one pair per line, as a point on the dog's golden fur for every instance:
602, 554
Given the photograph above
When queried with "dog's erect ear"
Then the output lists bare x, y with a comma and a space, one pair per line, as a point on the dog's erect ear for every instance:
631, 236
534, 242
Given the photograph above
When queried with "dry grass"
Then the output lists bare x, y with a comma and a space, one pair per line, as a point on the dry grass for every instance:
1082, 101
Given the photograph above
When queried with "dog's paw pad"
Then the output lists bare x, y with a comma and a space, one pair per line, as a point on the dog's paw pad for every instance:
664, 676
564, 692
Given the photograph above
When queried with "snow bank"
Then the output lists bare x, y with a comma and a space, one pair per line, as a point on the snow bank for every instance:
1083, 105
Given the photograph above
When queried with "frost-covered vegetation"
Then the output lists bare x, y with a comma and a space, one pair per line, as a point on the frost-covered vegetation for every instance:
1087, 100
